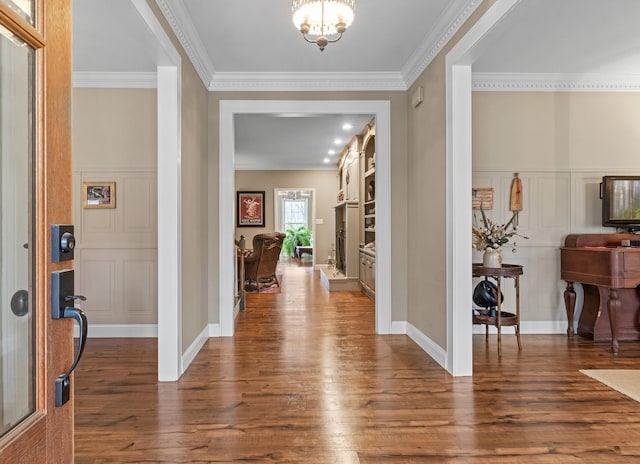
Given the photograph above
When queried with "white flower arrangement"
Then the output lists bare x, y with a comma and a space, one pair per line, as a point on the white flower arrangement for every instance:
487, 234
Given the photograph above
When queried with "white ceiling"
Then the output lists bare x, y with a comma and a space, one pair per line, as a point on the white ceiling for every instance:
253, 45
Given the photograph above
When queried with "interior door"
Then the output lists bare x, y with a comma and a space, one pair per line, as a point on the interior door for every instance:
35, 192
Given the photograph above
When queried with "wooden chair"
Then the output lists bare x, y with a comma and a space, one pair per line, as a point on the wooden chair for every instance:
260, 267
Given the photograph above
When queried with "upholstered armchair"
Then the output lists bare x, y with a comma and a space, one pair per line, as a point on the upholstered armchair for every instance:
260, 266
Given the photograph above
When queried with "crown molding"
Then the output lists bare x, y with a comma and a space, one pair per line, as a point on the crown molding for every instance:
447, 25
546, 82
123, 80
307, 82
183, 28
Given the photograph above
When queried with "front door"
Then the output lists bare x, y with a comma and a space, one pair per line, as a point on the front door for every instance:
35, 192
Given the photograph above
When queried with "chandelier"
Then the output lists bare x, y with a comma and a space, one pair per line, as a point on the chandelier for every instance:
322, 21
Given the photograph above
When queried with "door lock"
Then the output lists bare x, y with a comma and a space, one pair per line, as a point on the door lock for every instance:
62, 242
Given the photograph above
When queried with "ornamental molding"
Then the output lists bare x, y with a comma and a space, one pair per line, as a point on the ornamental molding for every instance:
448, 24
547, 82
307, 82
183, 28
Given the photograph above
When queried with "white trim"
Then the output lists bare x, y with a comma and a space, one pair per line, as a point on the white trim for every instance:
459, 257
180, 21
513, 82
119, 331
381, 110
214, 330
169, 96
458, 172
429, 346
448, 24
195, 347
399, 327
115, 80
302, 82
169, 226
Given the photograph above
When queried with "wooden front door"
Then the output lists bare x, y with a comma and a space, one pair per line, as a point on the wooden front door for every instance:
35, 192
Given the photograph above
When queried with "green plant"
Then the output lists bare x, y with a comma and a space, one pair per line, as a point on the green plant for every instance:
300, 236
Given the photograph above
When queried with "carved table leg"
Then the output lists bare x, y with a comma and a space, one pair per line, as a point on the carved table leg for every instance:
614, 306
570, 306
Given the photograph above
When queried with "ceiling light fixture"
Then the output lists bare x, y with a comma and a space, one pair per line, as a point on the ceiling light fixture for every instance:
323, 21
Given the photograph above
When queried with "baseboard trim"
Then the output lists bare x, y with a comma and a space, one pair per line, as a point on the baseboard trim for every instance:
214, 330
398, 327
428, 346
190, 354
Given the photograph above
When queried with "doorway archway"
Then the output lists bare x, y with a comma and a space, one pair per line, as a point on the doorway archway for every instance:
381, 110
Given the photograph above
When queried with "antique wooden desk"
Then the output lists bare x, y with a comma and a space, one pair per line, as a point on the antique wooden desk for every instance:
502, 318
610, 275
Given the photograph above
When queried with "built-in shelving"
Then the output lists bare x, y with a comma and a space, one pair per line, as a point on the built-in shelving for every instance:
368, 211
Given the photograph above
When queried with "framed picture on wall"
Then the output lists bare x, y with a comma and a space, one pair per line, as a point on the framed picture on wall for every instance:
482, 197
250, 207
98, 194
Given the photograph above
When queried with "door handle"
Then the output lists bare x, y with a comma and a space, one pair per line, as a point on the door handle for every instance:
61, 296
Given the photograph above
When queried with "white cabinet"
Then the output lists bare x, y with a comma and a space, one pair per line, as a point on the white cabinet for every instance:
368, 273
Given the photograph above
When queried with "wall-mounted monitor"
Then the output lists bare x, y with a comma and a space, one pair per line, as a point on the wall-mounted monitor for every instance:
621, 202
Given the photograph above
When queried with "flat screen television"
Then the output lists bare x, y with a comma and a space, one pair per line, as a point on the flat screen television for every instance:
621, 202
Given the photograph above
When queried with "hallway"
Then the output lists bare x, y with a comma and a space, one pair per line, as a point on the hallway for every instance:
306, 380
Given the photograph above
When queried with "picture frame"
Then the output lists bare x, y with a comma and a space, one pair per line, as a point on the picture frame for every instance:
98, 194
482, 196
250, 208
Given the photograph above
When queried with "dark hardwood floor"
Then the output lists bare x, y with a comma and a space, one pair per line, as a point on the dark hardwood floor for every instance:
306, 380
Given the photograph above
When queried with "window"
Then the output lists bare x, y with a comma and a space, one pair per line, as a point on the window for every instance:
295, 213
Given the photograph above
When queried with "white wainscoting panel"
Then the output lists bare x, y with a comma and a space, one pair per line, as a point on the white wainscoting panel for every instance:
555, 204
140, 284
120, 285
116, 254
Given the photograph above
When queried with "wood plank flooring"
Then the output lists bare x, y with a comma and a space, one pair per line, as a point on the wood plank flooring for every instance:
306, 380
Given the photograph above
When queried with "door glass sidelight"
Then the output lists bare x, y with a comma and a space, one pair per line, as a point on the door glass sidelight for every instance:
17, 214
23, 8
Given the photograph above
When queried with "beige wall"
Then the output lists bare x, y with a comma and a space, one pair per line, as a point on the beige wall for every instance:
194, 183
426, 191
194, 205
326, 186
114, 139
398, 181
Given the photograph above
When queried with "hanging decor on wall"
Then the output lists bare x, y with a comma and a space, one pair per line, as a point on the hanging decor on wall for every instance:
250, 207
99, 194
515, 199
482, 197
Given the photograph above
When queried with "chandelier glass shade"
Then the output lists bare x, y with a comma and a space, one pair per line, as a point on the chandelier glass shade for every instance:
323, 21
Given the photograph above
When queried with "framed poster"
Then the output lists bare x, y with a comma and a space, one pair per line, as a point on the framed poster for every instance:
250, 209
98, 194
482, 197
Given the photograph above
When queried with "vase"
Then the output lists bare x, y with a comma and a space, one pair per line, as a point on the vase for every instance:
492, 257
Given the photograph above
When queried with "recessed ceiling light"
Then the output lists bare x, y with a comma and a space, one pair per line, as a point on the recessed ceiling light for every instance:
337, 141
332, 152
326, 160
347, 126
